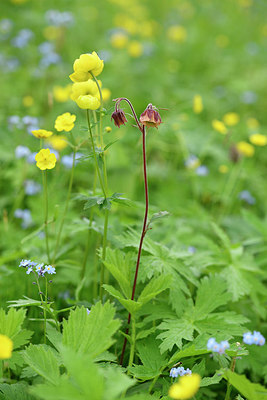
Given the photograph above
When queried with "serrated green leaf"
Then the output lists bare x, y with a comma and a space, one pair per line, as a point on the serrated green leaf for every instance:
187, 352
43, 361
116, 383
251, 391
16, 391
130, 305
213, 380
174, 332
154, 287
10, 325
26, 302
91, 334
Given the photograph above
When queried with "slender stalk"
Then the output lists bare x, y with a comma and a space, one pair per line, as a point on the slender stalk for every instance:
229, 386
46, 213
144, 230
66, 205
133, 336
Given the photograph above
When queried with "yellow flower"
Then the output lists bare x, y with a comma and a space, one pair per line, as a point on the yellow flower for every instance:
84, 65
52, 32
119, 40
197, 104
65, 122
177, 33
106, 93
219, 126
223, 169
45, 159
135, 49
186, 388
252, 123
258, 140
42, 133
231, 119
108, 129
62, 93
245, 149
6, 347
58, 142
27, 101
86, 94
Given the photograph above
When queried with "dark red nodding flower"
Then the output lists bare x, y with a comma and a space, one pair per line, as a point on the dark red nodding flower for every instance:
150, 117
119, 117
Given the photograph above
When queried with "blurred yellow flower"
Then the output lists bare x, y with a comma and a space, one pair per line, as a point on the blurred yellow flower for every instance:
177, 33
6, 347
258, 140
42, 133
62, 93
135, 49
197, 104
252, 123
52, 32
186, 387
58, 142
65, 122
219, 126
245, 3
18, 1
129, 24
108, 129
119, 40
245, 149
231, 119
27, 101
84, 65
222, 41
223, 169
86, 94
106, 93
45, 159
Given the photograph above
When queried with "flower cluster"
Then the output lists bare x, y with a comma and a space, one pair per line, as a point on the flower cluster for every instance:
84, 90
180, 371
255, 338
41, 269
217, 347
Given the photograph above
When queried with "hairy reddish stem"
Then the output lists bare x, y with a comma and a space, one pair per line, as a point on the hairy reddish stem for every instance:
144, 230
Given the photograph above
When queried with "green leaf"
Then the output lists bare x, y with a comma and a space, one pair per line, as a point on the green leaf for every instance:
92, 201
251, 391
91, 333
116, 383
16, 391
154, 287
10, 325
221, 235
130, 305
26, 302
175, 331
213, 380
151, 358
118, 265
43, 361
110, 144
211, 294
187, 352
158, 215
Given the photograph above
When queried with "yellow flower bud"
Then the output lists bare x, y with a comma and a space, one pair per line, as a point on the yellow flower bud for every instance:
231, 119
219, 126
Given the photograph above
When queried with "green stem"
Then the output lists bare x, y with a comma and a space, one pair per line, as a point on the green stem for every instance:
133, 337
103, 254
66, 204
43, 306
46, 213
229, 386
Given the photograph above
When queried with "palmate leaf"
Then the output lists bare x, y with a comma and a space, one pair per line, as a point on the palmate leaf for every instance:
174, 332
151, 358
154, 287
10, 325
251, 391
16, 391
130, 305
43, 360
91, 334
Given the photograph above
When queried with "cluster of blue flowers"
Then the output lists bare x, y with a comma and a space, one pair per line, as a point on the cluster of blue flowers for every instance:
59, 18
28, 122
255, 338
25, 216
217, 347
49, 55
67, 160
180, 371
41, 269
246, 196
31, 187
22, 39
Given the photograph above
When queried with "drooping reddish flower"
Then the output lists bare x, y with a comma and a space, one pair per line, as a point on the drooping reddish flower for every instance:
150, 117
119, 117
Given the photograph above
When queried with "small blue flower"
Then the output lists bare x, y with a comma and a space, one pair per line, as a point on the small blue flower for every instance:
22, 151
40, 269
217, 347
202, 170
180, 371
27, 263
25, 216
31, 187
255, 338
49, 269
246, 196
29, 270
173, 373
191, 249
248, 338
211, 343
88, 311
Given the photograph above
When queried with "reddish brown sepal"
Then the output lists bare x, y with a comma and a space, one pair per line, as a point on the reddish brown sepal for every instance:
119, 117
150, 117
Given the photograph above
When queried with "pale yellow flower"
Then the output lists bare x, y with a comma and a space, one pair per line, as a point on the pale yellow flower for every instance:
106, 94
186, 387
197, 104
42, 133
219, 126
252, 123
45, 159
258, 140
119, 40
85, 65
62, 93
27, 101
65, 122
58, 142
245, 149
223, 169
231, 119
177, 33
135, 49
52, 32
6, 347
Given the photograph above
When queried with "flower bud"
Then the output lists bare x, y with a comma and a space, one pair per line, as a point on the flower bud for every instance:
150, 117
119, 117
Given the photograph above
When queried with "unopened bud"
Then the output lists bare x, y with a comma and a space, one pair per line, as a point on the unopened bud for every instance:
119, 117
